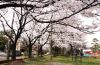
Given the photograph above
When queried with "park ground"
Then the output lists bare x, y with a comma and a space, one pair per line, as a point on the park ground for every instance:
59, 60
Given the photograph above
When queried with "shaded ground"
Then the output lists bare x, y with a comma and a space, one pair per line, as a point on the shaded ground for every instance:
21, 62
57, 63
62, 60
59, 60
4, 61
17, 62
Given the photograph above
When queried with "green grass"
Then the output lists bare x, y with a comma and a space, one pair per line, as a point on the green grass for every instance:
90, 61
47, 59
36, 61
4, 64
62, 59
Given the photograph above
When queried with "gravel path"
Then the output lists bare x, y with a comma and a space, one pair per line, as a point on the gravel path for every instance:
2, 58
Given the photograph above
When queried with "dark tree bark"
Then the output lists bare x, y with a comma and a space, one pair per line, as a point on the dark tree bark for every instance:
8, 50
30, 51
14, 51
40, 51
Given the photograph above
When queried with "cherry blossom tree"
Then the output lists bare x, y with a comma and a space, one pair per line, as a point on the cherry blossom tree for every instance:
62, 12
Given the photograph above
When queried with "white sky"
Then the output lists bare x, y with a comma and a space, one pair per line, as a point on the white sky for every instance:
89, 21
89, 38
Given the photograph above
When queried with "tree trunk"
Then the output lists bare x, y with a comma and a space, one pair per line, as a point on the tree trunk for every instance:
51, 44
41, 51
14, 51
38, 51
8, 50
30, 51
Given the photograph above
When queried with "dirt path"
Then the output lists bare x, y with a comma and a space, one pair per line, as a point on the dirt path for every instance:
17, 62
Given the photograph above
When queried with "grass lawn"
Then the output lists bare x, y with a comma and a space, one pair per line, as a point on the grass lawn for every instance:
90, 61
62, 59
46, 60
